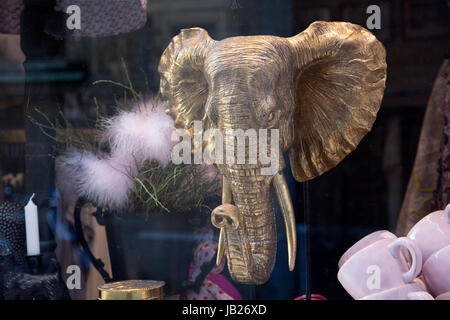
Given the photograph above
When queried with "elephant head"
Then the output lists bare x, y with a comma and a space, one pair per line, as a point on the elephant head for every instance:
321, 89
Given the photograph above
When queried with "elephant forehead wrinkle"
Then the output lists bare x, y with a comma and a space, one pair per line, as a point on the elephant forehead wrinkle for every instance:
243, 64
227, 101
249, 48
242, 73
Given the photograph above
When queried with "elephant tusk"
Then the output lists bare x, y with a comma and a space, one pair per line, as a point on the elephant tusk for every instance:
284, 200
226, 198
220, 247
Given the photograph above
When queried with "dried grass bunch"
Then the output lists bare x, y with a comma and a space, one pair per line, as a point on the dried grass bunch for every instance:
127, 167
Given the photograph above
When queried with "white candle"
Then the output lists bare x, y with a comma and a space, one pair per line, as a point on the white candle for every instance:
32, 228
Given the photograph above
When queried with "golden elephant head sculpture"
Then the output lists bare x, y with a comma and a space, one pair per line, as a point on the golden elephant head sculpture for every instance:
321, 90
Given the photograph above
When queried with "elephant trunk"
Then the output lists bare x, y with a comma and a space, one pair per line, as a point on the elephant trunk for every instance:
249, 227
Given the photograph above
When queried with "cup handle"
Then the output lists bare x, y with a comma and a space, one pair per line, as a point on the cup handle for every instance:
447, 214
420, 295
416, 256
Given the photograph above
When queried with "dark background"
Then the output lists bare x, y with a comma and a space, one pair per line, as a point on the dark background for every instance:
361, 195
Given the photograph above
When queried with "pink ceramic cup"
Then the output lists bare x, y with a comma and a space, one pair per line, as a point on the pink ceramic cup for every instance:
420, 295
411, 291
364, 242
436, 271
444, 296
379, 267
432, 232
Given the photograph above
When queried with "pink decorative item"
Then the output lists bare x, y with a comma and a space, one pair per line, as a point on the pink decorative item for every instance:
215, 286
66, 172
364, 242
419, 295
203, 234
382, 259
314, 296
428, 244
432, 232
436, 271
444, 296
106, 180
411, 291
144, 133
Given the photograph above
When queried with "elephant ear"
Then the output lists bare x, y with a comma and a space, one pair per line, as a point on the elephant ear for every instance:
339, 83
183, 83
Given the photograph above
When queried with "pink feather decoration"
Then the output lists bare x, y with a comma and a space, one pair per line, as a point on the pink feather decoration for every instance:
106, 181
145, 132
67, 171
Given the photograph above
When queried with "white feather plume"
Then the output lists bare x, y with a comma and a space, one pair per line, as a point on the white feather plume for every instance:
67, 171
106, 181
145, 132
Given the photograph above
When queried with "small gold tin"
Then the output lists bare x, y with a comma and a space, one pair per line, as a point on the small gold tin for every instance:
132, 290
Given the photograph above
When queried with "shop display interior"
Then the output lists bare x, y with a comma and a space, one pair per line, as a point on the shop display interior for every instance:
90, 194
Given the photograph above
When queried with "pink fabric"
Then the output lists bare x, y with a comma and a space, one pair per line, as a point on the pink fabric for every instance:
204, 253
215, 286
203, 234
313, 297
223, 283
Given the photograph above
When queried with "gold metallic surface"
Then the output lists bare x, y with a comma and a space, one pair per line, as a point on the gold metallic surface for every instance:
339, 91
285, 202
226, 198
225, 215
220, 247
250, 247
132, 290
321, 89
181, 70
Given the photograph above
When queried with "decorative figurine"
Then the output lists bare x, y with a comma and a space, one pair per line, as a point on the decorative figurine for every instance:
12, 230
25, 277
374, 269
321, 89
132, 290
